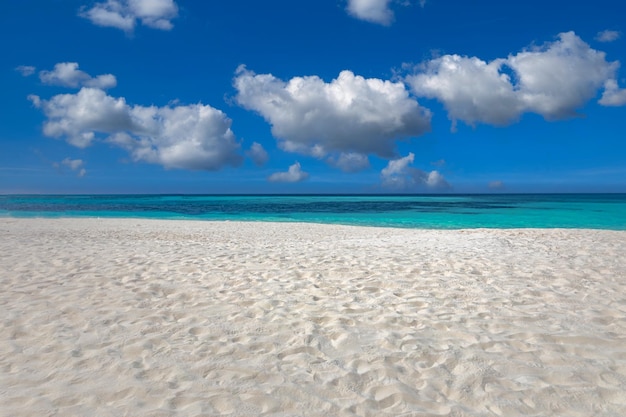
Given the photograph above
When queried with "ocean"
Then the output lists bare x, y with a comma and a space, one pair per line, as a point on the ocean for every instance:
595, 211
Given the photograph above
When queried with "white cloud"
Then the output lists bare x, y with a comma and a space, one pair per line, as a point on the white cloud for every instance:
436, 180
294, 174
608, 36
258, 154
351, 114
350, 162
110, 14
375, 11
155, 13
25, 70
471, 89
72, 164
400, 175
195, 137
613, 95
75, 165
397, 166
123, 14
67, 74
554, 80
35, 99
561, 77
78, 116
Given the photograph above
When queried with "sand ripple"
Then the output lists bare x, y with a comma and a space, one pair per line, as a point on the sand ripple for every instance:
156, 318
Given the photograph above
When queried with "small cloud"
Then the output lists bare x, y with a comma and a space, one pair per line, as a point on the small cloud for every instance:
124, 14
400, 175
613, 95
436, 180
257, 154
25, 70
294, 174
377, 11
496, 185
374, 11
76, 165
67, 74
608, 36
35, 99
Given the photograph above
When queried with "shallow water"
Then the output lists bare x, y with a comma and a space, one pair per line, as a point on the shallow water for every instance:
597, 211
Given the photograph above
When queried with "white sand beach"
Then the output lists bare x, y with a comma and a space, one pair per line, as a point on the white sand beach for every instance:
127, 317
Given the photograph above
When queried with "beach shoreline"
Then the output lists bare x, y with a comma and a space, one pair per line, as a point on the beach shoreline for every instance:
108, 317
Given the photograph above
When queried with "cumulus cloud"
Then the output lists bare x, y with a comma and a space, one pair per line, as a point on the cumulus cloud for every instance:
25, 70
553, 80
67, 74
471, 89
375, 11
294, 174
436, 180
608, 36
351, 114
349, 162
613, 95
395, 170
400, 175
562, 76
195, 137
258, 154
124, 14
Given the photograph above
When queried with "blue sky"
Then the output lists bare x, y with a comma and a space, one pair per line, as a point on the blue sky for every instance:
314, 96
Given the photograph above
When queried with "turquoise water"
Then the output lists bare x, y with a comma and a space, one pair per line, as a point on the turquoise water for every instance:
598, 211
